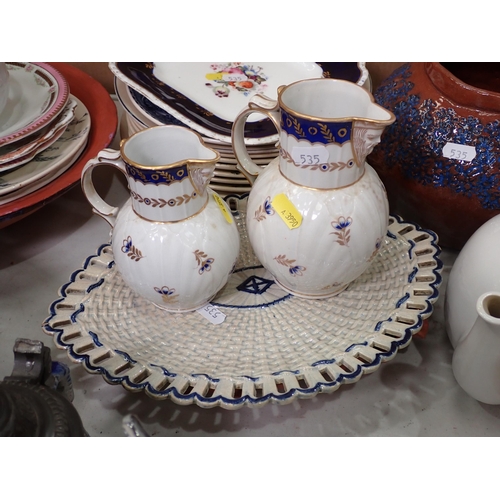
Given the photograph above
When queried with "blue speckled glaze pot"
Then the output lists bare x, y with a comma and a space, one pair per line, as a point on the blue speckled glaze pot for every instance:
436, 104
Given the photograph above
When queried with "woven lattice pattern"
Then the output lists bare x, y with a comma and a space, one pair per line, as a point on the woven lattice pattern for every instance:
293, 334
289, 348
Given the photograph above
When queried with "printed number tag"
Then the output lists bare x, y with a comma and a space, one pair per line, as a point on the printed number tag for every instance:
287, 211
234, 77
213, 314
226, 77
305, 156
223, 208
459, 152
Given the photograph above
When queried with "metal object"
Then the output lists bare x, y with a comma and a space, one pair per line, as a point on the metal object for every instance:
35, 400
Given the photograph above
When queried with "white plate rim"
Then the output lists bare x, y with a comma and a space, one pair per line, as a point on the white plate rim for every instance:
61, 92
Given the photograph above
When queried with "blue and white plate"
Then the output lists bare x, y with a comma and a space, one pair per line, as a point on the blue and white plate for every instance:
207, 97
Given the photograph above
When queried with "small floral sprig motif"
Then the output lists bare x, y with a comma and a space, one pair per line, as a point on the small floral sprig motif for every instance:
131, 250
342, 232
168, 295
204, 261
293, 269
378, 245
265, 208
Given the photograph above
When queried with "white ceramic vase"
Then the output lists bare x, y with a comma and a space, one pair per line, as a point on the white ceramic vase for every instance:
476, 359
174, 241
318, 214
476, 271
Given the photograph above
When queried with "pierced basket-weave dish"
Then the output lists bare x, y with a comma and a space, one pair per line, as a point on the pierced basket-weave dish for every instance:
271, 346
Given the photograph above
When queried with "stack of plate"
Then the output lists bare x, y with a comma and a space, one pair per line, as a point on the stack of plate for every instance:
43, 129
207, 97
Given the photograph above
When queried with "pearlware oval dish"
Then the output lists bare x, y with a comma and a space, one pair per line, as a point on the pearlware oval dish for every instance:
207, 96
37, 94
271, 346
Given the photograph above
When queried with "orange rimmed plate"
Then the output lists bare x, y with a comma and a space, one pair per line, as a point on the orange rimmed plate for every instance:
104, 119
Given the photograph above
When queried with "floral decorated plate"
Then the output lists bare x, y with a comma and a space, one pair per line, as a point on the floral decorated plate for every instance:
208, 96
37, 94
255, 343
52, 160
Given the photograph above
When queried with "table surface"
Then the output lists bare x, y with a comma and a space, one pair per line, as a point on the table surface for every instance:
415, 394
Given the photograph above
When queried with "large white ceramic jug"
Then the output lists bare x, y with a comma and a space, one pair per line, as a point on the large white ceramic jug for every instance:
317, 215
174, 241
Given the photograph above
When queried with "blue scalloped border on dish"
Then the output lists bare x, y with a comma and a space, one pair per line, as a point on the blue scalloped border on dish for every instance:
395, 344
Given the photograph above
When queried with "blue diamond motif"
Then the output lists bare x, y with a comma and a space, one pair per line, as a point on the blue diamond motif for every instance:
255, 284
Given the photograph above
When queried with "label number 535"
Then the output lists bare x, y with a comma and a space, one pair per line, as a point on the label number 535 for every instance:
459, 152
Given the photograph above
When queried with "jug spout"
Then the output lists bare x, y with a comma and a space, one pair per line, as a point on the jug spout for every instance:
366, 135
200, 174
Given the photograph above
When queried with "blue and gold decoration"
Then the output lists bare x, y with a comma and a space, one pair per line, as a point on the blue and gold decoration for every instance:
157, 175
316, 131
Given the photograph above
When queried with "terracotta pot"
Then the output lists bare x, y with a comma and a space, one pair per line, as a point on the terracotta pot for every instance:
436, 104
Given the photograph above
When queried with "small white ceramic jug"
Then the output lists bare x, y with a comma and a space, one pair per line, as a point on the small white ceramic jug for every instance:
318, 214
174, 241
476, 359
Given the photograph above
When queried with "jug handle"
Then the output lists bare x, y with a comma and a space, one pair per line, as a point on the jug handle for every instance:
99, 206
258, 104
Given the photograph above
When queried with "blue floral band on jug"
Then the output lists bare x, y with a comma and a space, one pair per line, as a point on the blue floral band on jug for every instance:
153, 176
315, 131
